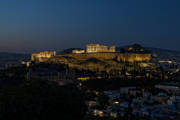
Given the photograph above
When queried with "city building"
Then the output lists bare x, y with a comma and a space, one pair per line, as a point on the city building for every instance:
26, 63
97, 48
169, 87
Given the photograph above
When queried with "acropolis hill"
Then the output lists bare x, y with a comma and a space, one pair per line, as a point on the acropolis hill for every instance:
120, 57
96, 57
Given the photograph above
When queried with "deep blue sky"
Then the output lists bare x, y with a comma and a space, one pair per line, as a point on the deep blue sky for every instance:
35, 25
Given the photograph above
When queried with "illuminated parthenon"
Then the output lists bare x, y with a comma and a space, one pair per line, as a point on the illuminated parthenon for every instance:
97, 48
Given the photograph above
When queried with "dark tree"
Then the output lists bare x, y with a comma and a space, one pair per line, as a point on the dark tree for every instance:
41, 100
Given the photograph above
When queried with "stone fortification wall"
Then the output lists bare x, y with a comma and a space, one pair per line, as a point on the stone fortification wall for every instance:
124, 57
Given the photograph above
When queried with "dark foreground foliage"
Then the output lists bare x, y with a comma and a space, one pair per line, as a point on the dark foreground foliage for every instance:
117, 83
41, 100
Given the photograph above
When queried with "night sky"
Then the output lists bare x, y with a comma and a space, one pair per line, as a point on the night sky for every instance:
36, 25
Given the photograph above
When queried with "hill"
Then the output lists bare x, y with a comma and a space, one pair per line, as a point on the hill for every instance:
163, 54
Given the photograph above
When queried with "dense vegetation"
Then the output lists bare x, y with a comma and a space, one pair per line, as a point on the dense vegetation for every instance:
37, 99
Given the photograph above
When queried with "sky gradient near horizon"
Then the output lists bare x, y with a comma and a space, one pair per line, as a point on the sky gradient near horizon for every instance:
36, 25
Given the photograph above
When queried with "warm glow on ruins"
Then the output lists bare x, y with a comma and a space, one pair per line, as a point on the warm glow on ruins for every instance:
99, 52
42, 55
96, 48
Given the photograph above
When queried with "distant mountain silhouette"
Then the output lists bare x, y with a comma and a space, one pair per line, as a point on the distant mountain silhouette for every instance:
152, 49
135, 48
160, 50
161, 53
6, 57
165, 54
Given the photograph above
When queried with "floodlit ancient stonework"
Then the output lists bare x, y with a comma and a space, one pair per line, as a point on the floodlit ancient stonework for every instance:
42, 56
100, 55
124, 57
97, 48
78, 51
101, 61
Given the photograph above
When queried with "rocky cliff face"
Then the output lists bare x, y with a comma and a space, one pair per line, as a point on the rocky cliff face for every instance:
100, 61
121, 57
